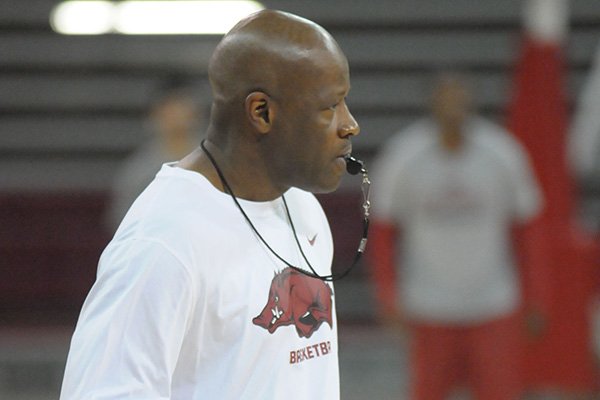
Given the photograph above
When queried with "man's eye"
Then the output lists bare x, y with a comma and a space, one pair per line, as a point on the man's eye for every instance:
333, 107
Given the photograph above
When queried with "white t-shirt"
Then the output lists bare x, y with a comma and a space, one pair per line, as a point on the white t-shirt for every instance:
189, 304
455, 212
584, 139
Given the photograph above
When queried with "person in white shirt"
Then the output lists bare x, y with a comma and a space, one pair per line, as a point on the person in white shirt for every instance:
453, 186
584, 139
175, 118
193, 299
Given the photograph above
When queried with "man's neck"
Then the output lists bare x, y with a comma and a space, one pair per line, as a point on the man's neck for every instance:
244, 173
452, 138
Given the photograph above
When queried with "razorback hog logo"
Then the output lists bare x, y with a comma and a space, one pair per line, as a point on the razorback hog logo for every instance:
295, 298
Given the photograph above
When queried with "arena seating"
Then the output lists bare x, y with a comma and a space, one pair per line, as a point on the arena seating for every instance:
72, 108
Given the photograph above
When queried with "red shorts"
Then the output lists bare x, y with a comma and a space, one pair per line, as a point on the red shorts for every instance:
484, 358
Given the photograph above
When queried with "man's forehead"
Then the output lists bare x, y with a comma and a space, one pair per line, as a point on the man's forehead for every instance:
326, 84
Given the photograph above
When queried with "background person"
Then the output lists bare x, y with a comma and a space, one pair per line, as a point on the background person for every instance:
175, 119
451, 186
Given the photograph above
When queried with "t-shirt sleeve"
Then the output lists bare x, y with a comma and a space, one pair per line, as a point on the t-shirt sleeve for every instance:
526, 194
131, 327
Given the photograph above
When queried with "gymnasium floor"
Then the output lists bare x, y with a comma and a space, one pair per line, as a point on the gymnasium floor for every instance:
32, 362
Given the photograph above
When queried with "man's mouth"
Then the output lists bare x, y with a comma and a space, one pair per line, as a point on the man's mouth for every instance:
346, 153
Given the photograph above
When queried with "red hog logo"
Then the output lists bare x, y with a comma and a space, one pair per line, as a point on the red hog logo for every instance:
295, 298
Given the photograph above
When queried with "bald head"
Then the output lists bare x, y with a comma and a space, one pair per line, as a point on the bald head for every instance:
270, 51
279, 115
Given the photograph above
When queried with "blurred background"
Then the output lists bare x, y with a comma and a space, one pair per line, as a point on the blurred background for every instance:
75, 108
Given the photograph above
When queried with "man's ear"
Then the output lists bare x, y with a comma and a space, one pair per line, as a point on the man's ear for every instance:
260, 111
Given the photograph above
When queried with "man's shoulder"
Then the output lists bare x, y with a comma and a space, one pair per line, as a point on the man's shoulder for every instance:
497, 141
419, 133
171, 209
406, 146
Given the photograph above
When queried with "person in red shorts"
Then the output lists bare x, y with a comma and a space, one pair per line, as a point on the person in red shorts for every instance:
449, 190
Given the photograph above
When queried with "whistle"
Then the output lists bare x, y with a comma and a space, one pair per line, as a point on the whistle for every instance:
354, 166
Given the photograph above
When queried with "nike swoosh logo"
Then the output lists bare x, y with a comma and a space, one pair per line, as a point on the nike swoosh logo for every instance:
312, 241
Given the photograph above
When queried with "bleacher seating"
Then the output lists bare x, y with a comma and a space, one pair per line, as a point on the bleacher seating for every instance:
72, 107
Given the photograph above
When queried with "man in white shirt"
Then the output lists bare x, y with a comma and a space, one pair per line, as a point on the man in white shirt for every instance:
200, 294
584, 138
453, 185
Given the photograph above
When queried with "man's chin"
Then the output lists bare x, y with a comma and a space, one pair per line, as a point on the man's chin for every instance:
327, 186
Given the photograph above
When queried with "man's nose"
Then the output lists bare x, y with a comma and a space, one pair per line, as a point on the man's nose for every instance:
349, 127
